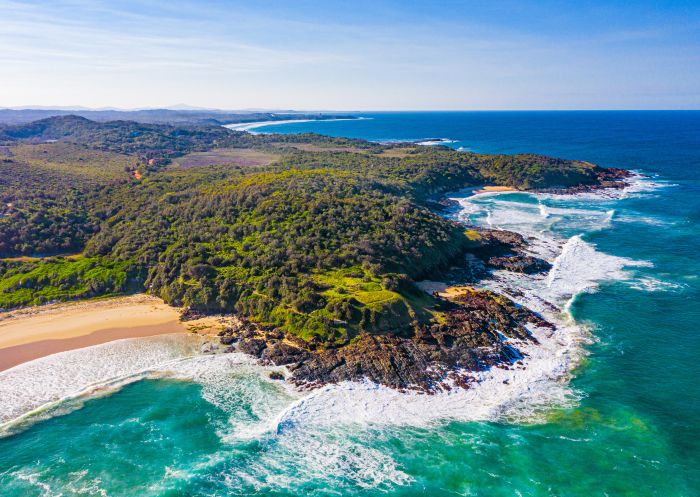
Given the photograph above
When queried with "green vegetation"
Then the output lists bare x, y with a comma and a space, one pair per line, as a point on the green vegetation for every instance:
324, 243
38, 282
47, 193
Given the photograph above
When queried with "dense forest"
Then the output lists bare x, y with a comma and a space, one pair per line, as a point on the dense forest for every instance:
324, 239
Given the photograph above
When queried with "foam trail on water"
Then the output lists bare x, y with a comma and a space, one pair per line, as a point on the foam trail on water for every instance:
580, 267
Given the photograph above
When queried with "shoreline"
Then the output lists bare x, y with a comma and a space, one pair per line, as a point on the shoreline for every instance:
547, 358
259, 124
31, 333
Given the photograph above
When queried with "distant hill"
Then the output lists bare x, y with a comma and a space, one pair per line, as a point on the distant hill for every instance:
160, 116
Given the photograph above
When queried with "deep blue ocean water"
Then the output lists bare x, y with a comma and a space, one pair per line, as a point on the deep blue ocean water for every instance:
628, 423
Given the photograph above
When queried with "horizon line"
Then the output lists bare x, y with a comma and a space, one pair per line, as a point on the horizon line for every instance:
319, 111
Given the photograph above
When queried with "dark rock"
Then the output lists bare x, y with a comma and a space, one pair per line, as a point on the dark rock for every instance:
610, 177
281, 353
520, 264
502, 249
190, 314
276, 375
252, 346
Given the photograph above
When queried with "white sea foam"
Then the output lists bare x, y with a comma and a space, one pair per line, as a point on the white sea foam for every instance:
416, 141
313, 453
638, 184
639, 219
436, 141
238, 385
655, 285
37, 386
580, 267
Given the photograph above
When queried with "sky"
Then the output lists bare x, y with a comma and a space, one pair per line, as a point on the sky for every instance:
351, 55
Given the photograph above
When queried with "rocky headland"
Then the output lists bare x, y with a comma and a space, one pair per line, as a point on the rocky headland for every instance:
478, 330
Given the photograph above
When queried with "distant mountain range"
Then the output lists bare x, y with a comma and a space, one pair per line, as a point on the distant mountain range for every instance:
178, 114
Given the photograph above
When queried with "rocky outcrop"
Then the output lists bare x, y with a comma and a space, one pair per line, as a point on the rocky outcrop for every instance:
520, 264
502, 249
473, 330
477, 330
610, 177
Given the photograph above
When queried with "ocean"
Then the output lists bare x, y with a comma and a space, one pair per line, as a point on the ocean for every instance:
609, 405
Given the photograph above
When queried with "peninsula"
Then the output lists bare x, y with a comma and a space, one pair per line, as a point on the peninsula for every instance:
314, 244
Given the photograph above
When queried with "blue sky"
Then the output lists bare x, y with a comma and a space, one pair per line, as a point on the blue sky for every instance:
364, 55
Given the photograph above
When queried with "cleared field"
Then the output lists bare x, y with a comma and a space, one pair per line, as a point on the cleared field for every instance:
226, 157
312, 147
29, 258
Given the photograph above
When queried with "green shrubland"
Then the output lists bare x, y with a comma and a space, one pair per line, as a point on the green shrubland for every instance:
324, 243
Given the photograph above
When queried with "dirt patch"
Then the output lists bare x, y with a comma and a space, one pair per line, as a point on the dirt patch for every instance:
37, 258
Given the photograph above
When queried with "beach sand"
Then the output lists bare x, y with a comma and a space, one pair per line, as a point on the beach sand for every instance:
494, 189
28, 334
443, 289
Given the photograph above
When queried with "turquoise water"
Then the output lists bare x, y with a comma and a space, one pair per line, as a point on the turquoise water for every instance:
627, 424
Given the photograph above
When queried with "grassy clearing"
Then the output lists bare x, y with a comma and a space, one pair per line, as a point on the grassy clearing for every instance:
242, 157
398, 152
320, 147
27, 258
373, 307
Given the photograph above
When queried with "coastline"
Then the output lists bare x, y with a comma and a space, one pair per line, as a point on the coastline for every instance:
31, 333
522, 384
259, 124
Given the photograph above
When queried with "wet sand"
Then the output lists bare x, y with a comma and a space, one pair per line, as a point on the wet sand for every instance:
31, 333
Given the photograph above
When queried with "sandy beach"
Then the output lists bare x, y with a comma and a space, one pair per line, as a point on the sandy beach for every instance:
28, 334
496, 189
